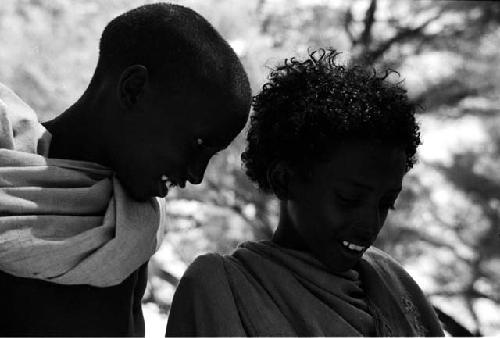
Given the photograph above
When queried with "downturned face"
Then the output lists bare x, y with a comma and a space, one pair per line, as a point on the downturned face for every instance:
170, 142
340, 210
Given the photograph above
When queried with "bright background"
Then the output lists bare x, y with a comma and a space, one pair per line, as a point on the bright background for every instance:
445, 229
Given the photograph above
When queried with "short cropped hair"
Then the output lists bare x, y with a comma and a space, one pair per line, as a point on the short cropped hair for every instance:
178, 46
307, 107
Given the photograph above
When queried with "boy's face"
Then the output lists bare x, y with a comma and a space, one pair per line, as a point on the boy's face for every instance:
340, 210
172, 138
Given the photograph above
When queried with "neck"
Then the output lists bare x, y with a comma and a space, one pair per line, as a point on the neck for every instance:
286, 234
76, 134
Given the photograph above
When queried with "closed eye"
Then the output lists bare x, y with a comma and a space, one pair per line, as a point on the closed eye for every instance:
347, 201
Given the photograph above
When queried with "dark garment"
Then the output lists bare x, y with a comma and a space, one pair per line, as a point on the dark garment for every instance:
32, 307
263, 289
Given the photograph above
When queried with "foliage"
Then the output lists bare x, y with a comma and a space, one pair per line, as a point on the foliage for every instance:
445, 229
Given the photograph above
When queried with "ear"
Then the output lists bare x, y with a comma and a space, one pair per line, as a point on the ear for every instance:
131, 85
279, 176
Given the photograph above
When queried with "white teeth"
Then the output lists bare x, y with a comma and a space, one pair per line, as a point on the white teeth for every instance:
352, 246
165, 180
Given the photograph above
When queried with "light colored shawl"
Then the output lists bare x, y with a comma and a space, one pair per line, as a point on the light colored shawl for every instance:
63, 221
266, 290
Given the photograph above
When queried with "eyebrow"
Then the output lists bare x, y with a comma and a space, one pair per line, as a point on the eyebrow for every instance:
368, 187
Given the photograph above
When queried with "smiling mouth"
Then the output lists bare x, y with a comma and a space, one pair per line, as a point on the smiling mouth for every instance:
166, 184
353, 247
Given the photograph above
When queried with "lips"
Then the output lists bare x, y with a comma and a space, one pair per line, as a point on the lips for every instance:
355, 246
165, 183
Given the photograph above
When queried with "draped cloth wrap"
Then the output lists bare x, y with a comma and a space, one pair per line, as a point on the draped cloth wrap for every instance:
64, 221
263, 289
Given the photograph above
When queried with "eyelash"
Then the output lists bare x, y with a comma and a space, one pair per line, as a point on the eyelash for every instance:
347, 202
199, 144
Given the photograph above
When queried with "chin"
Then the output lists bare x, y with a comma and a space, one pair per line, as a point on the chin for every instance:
337, 261
139, 197
340, 266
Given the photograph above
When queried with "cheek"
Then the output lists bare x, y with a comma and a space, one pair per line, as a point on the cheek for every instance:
334, 219
319, 217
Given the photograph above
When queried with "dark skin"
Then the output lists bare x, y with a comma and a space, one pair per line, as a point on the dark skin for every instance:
345, 199
132, 125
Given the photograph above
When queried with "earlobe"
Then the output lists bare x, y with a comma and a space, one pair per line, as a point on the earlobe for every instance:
279, 177
131, 85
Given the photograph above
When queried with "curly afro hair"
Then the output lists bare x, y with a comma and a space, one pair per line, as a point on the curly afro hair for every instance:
308, 106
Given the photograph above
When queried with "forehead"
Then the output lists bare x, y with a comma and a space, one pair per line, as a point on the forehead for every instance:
374, 164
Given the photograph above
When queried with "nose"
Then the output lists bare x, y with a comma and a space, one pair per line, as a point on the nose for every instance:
196, 171
371, 222
194, 179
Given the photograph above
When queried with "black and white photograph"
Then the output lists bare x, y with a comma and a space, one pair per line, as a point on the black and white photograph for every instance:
235, 168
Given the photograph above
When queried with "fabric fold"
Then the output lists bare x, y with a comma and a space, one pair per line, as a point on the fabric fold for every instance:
268, 290
85, 230
66, 221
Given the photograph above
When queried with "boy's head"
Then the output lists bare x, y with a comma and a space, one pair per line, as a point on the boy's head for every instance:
176, 93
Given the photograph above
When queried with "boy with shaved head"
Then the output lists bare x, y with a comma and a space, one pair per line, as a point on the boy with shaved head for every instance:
80, 213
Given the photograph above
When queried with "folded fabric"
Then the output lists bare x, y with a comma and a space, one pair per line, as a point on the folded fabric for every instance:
19, 127
263, 289
64, 221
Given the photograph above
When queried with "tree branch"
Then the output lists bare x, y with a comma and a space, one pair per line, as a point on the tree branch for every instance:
366, 36
403, 34
347, 27
451, 325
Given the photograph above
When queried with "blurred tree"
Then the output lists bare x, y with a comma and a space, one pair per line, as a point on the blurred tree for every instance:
446, 51
390, 34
